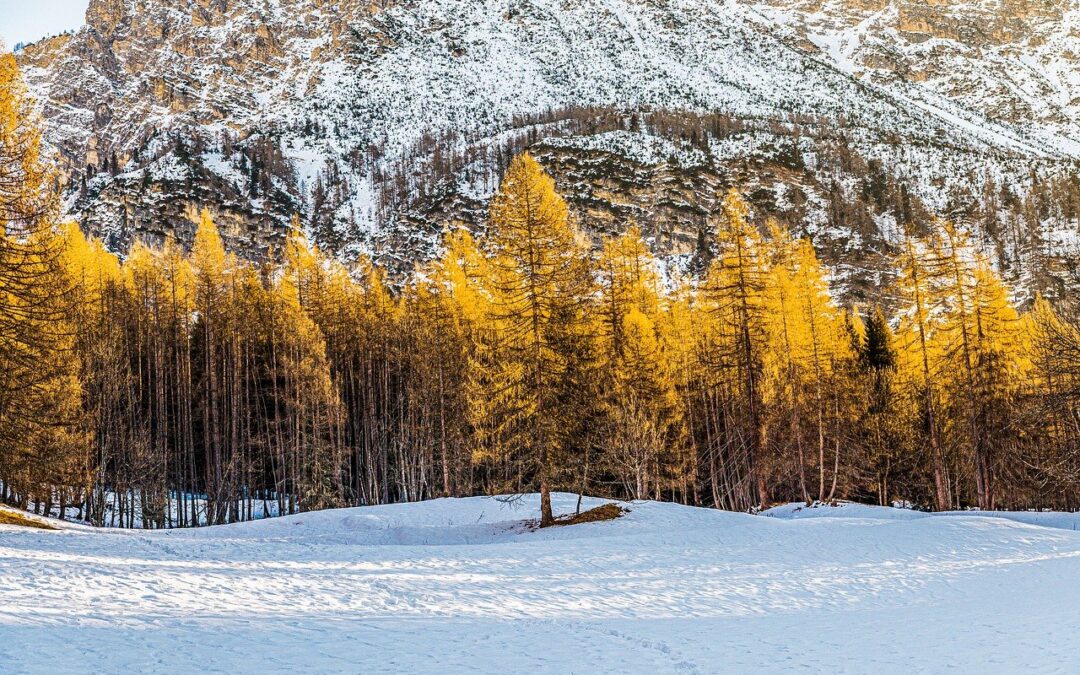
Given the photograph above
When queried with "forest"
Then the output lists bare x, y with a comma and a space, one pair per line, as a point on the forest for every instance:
173, 387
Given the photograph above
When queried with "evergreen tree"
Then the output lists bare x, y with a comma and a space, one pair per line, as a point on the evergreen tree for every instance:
882, 429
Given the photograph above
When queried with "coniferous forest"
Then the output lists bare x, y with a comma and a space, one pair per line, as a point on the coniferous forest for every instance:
176, 387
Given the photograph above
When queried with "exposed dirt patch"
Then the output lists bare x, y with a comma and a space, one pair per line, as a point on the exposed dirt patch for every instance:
600, 513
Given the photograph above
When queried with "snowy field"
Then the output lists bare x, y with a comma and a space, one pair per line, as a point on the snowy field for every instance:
464, 585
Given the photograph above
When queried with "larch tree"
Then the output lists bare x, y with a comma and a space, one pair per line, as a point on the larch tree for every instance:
786, 379
808, 353
680, 342
826, 352
39, 392
920, 289
1052, 464
215, 343
309, 413
735, 291
95, 276
181, 389
433, 425
628, 279
985, 353
539, 279
457, 310
642, 407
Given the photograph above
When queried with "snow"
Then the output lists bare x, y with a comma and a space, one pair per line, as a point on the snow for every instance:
179, 508
466, 584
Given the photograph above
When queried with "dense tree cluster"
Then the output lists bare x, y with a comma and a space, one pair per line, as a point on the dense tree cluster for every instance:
178, 387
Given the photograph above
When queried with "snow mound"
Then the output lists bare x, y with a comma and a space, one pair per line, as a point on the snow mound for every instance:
438, 522
1062, 521
848, 510
467, 521
799, 510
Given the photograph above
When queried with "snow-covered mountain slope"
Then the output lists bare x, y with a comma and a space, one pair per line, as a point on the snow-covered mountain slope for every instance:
1013, 61
466, 585
381, 121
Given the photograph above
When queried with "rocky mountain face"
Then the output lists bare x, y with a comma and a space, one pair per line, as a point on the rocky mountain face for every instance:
380, 122
1013, 61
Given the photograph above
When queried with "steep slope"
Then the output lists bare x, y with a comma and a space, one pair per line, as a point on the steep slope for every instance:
380, 122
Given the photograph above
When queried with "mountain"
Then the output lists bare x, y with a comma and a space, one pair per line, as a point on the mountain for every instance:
381, 122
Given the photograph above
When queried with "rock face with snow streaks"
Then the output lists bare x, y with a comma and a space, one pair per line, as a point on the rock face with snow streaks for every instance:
379, 122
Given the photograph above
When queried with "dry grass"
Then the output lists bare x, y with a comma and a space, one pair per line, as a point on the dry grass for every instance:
8, 517
599, 514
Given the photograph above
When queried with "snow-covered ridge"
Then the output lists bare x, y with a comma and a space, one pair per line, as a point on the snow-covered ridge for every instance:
467, 584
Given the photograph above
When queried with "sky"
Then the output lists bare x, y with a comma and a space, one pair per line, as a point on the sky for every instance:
30, 20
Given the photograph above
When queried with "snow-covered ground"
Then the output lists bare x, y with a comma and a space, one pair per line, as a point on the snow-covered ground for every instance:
465, 585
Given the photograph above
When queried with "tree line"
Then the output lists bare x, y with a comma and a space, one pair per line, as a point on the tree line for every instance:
186, 387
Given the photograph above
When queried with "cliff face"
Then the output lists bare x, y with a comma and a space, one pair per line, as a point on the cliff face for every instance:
378, 122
